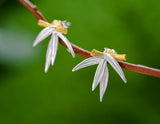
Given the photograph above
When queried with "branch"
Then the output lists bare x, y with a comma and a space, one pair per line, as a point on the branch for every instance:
84, 53
33, 9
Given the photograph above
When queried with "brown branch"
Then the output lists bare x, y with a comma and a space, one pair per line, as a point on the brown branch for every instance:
84, 53
33, 9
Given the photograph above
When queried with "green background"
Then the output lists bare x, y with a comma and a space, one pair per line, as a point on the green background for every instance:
30, 96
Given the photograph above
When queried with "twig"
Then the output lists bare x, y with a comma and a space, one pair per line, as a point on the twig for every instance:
84, 53
33, 9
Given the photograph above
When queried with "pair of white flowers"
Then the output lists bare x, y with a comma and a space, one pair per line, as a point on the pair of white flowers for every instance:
101, 75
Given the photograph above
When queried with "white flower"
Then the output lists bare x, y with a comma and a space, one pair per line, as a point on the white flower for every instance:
101, 75
53, 43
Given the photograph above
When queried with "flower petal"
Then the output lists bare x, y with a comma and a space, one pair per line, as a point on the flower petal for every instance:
116, 66
49, 54
104, 83
43, 34
68, 44
99, 73
54, 38
87, 62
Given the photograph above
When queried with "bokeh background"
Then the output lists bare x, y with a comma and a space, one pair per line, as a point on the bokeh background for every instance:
30, 96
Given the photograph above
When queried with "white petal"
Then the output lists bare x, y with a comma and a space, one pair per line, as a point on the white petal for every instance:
54, 38
49, 55
99, 73
116, 66
87, 62
104, 83
65, 40
43, 34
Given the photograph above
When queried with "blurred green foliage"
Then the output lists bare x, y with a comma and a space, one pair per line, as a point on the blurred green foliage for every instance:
30, 96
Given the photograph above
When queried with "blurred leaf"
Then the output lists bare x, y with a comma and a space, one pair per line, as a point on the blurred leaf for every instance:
16, 46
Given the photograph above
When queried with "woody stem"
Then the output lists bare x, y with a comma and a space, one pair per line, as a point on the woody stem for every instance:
84, 53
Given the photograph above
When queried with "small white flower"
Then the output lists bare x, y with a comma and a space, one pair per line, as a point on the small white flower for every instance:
101, 75
53, 43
